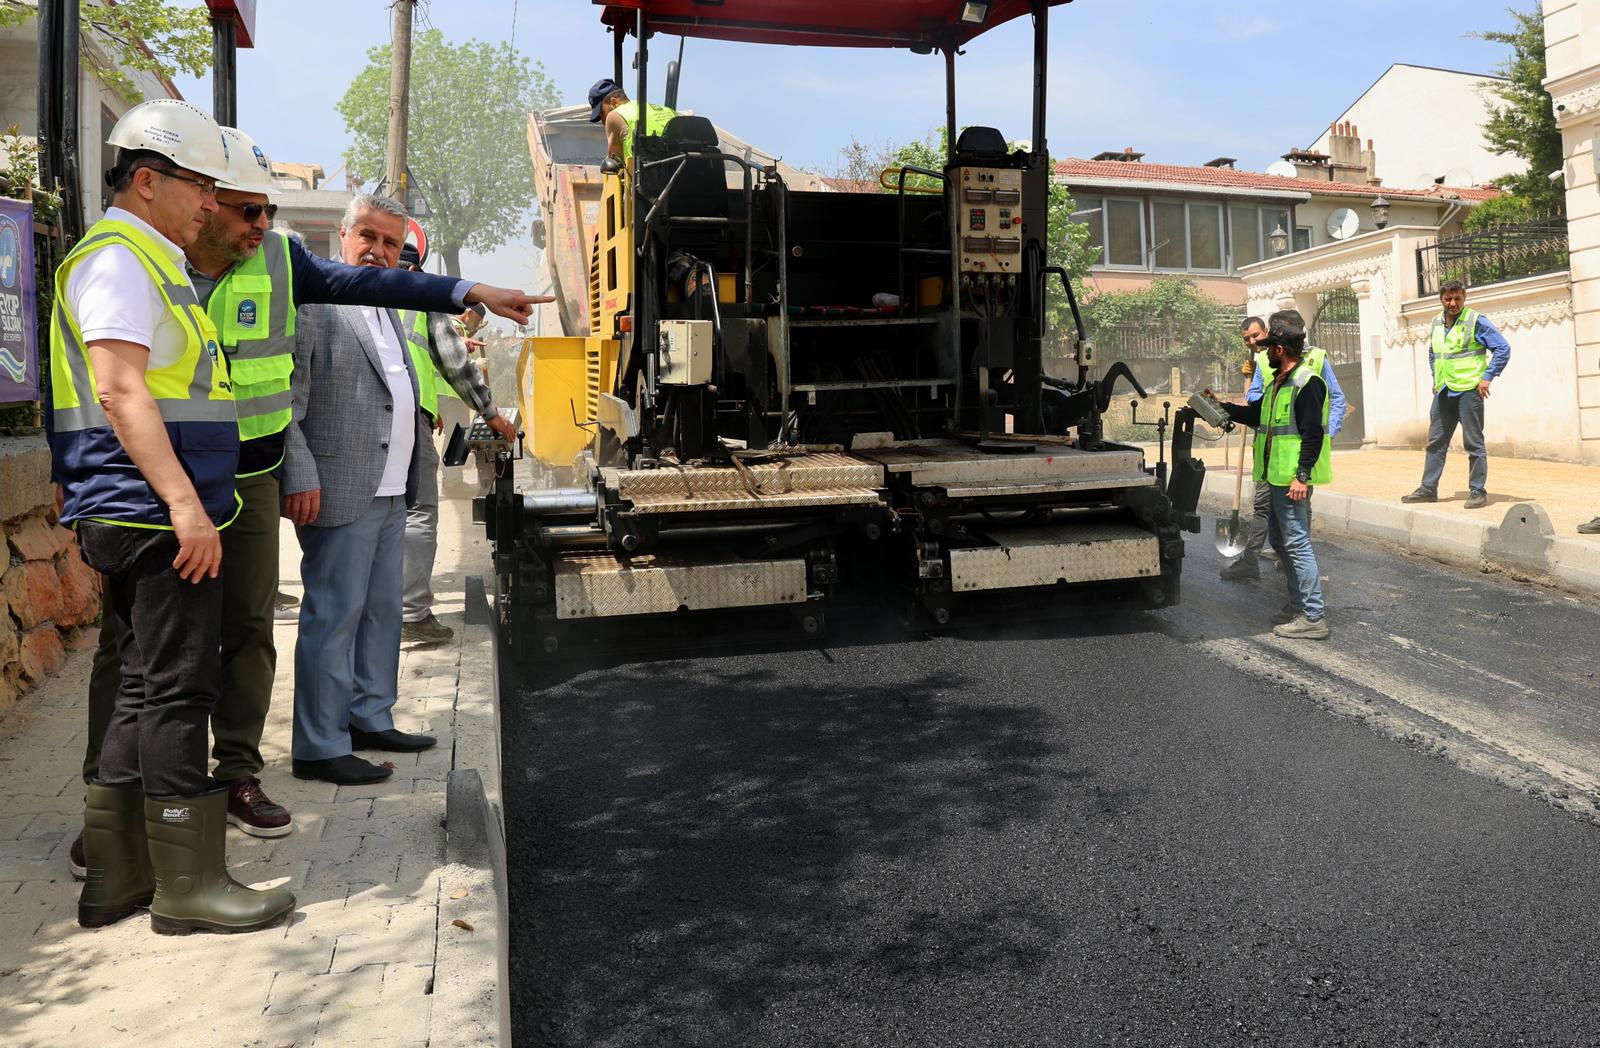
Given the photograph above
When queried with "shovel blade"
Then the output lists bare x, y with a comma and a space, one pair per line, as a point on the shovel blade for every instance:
1232, 534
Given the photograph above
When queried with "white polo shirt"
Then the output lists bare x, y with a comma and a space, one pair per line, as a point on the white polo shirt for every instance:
112, 296
403, 422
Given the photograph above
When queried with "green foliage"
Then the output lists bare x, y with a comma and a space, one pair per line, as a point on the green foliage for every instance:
19, 178
1172, 313
467, 146
1524, 123
1501, 211
145, 35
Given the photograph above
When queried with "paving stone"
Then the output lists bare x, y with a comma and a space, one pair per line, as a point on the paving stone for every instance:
406, 981
406, 1021
292, 991
28, 847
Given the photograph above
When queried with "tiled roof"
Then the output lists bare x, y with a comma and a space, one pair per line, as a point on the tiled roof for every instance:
1201, 177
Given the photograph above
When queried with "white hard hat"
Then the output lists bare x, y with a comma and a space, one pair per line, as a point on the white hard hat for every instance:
249, 170
178, 131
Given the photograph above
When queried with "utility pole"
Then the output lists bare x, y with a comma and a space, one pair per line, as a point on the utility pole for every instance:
233, 25
395, 176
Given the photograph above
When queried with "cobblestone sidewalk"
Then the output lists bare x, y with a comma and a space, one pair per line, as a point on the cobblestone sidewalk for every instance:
356, 964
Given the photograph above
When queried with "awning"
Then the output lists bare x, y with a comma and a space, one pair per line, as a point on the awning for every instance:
819, 23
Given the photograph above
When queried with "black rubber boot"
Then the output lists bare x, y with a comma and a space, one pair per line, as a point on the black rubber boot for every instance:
193, 889
118, 880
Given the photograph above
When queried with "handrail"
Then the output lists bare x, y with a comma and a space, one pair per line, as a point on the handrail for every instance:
900, 243
883, 177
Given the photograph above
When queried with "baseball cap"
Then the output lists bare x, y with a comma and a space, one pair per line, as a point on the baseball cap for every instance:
597, 94
1286, 328
409, 256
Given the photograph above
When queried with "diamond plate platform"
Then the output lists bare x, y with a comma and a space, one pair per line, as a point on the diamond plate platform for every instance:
1043, 556
803, 479
947, 464
599, 585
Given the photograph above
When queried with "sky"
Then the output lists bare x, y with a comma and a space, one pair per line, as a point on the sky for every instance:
1178, 80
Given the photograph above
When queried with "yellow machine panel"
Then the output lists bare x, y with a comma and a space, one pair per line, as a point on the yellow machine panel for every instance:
559, 381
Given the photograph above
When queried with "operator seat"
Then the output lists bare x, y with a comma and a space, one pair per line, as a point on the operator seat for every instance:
701, 191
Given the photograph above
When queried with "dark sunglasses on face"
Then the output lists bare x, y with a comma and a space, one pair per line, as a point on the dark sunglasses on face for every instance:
251, 212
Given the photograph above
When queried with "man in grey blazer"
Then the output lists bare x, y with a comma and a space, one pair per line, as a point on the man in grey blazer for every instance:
352, 465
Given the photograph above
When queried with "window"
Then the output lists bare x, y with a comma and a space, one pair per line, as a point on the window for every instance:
1302, 238
1188, 236
1116, 228
1251, 232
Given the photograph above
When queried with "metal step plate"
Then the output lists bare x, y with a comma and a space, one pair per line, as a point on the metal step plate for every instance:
600, 585
1043, 556
802, 479
954, 465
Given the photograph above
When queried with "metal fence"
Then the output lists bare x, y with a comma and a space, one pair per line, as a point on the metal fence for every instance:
1491, 255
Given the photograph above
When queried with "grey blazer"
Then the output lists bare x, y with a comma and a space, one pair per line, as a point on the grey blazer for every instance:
339, 438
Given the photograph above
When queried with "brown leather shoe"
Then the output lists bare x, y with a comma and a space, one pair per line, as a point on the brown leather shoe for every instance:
77, 864
250, 809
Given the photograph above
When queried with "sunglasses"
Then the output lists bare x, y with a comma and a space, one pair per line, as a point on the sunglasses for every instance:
251, 212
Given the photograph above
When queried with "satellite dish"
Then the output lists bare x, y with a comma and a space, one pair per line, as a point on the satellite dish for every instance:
1343, 224
1281, 168
1458, 177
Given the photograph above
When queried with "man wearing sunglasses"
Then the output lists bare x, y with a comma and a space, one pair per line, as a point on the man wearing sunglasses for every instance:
251, 279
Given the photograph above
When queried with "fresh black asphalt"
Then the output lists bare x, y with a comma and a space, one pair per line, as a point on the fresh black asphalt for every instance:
1101, 832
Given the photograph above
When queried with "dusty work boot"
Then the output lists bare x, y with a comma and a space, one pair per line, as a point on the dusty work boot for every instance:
117, 877
1476, 500
1421, 495
1302, 628
425, 631
193, 888
1591, 528
1241, 570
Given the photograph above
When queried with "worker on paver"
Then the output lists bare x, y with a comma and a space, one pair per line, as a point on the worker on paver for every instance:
144, 436
608, 102
1248, 564
440, 361
250, 279
1466, 353
1292, 456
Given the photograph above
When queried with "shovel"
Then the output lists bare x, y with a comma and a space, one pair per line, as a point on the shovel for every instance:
1231, 531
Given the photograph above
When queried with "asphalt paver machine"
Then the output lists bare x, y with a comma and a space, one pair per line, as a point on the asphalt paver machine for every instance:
770, 397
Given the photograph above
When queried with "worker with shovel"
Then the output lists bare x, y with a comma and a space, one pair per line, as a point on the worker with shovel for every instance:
1246, 564
1292, 456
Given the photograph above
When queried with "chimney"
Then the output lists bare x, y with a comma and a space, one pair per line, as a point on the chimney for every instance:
1369, 160
1127, 156
1223, 162
1308, 163
1344, 147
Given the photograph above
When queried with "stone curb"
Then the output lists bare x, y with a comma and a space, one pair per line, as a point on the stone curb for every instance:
471, 999
1518, 541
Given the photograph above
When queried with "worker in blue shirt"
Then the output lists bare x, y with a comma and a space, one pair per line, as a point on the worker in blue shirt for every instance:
1248, 564
1465, 353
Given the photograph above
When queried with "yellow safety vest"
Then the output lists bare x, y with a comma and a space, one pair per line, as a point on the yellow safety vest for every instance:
655, 122
253, 309
192, 393
1459, 360
1278, 441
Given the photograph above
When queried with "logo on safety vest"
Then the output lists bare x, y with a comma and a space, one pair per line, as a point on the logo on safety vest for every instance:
211, 349
247, 313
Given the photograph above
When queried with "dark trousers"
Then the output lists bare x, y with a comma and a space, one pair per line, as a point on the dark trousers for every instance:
1464, 410
1260, 519
249, 657
167, 633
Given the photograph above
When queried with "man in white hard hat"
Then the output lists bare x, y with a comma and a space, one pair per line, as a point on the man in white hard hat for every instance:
251, 280
145, 443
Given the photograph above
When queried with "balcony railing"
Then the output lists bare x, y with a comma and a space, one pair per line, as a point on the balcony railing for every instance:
1489, 256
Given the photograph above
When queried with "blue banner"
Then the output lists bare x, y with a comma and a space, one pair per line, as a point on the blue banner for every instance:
19, 343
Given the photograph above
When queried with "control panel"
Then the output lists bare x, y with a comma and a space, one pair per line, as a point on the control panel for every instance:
989, 220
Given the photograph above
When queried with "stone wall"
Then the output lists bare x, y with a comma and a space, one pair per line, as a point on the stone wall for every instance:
47, 592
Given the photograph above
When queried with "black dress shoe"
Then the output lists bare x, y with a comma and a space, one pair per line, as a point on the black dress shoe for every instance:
348, 770
392, 739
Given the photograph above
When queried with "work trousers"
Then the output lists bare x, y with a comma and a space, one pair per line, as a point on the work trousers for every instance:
1465, 410
249, 657
422, 539
1261, 517
1289, 531
347, 661
167, 634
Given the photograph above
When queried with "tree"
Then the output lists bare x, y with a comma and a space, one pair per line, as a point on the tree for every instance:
1066, 241
1524, 124
1171, 311
863, 161
145, 35
467, 149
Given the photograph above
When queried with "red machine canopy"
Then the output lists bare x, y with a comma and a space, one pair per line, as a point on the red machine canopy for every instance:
818, 23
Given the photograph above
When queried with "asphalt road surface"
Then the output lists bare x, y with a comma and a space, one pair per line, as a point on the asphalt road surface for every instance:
1166, 829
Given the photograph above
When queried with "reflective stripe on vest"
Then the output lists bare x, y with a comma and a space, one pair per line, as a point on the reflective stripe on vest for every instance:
254, 311
1277, 446
656, 118
192, 394
1459, 360
415, 324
